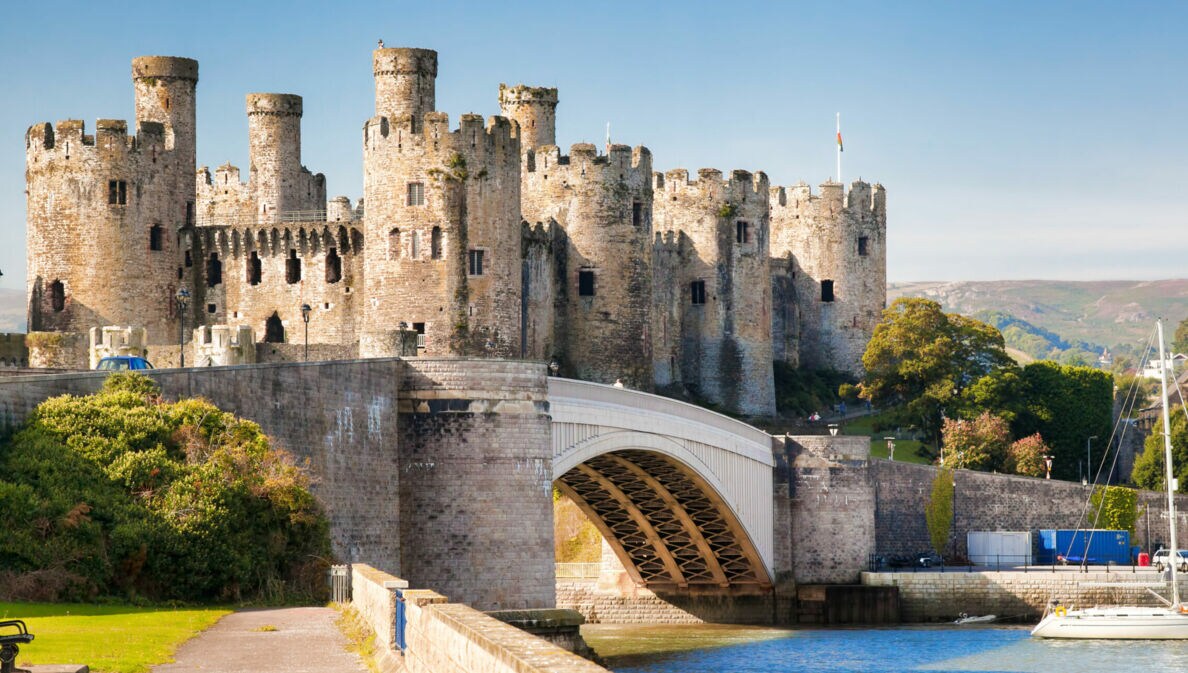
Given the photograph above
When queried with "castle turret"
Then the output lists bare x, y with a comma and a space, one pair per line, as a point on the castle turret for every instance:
274, 146
833, 247
405, 82
724, 293
165, 94
603, 203
442, 220
534, 109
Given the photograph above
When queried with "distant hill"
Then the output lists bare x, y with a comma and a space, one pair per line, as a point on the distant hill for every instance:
1061, 316
12, 310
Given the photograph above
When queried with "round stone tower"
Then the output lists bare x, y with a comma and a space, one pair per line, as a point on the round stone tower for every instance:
725, 351
165, 94
604, 205
405, 81
534, 109
274, 145
442, 221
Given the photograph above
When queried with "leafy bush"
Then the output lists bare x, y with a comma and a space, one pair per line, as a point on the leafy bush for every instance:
126, 495
800, 392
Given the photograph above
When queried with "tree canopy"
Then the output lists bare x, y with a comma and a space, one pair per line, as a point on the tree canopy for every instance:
1067, 405
123, 494
1149, 470
1180, 340
923, 359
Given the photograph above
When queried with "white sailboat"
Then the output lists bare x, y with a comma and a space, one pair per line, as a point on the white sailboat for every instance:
1130, 622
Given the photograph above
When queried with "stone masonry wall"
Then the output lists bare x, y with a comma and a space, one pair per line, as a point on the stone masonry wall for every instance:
935, 596
476, 456
995, 502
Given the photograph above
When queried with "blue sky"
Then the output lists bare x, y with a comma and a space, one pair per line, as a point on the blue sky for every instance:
1016, 139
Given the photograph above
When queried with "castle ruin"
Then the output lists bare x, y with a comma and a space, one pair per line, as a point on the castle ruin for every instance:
481, 240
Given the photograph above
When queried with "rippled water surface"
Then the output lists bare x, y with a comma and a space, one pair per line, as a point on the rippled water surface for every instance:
733, 649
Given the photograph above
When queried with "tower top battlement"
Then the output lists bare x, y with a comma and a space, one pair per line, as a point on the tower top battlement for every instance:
280, 104
176, 67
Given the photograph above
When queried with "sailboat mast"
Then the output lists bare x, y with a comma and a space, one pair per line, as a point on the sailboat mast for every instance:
1169, 476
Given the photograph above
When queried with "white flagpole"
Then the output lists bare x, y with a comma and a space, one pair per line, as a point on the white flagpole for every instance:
608, 137
839, 149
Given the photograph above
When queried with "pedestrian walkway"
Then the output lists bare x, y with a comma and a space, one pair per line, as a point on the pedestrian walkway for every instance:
282, 640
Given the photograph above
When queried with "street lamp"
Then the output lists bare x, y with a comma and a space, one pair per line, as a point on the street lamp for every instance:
1048, 467
833, 429
554, 367
890, 448
305, 311
183, 301
1088, 462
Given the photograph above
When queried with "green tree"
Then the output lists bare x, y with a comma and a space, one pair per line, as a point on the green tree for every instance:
922, 359
938, 513
1067, 405
1134, 392
1148, 469
978, 444
123, 494
1026, 456
1179, 342
1113, 508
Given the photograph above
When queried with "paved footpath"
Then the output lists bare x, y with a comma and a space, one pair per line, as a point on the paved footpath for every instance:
306, 640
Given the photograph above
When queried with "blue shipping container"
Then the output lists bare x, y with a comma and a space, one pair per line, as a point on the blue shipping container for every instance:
1097, 547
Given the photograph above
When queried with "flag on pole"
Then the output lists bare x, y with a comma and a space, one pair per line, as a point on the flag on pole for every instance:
840, 148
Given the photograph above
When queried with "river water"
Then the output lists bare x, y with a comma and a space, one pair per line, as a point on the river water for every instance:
740, 649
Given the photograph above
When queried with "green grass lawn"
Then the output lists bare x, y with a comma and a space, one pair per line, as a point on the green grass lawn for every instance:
108, 638
906, 450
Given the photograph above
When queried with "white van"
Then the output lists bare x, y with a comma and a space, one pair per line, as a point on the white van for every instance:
1160, 560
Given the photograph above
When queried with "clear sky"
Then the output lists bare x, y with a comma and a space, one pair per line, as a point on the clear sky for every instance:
1015, 139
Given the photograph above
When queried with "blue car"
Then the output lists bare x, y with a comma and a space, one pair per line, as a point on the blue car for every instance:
122, 363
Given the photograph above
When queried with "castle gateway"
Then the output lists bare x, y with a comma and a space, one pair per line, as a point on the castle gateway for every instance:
479, 240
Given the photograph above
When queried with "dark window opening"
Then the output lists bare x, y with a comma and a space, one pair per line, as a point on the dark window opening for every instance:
826, 290
274, 331
416, 193
117, 192
636, 213
394, 244
435, 244
214, 270
742, 233
292, 268
419, 328
476, 262
862, 246
179, 273
189, 259
333, 266
189, 213
58, 296
697, 289
255, 270
210, 308
586, 283
156, 237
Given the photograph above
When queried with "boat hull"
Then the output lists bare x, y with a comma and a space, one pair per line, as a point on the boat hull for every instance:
1116, 624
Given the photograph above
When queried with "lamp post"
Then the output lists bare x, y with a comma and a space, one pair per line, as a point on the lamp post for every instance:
554, 367
1048, 467
183, 301
1088, 461
890, 448
305, 311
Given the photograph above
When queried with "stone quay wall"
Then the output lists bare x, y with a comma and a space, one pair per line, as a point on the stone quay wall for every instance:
1012, 595
443, 637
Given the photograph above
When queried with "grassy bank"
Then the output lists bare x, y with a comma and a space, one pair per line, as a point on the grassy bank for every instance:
108, 638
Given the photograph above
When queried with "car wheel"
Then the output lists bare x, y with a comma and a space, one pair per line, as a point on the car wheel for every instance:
1159, 567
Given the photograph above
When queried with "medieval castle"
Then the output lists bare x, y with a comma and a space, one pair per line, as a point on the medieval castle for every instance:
482, 240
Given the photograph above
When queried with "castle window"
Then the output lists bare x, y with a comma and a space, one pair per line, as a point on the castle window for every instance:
292, 268
274, 330
475, 257
435, 244
214, 270
156, 237
586, 283
742, 231
333, 266
394, 244
862, 246
826, 290
189, 259
254, 269
419, 328
57, 296
697, 290
415, 245
117, 193
636, 214
416, 193
210, 308
189, 213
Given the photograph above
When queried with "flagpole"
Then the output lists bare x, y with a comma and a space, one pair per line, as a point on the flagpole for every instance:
839, 149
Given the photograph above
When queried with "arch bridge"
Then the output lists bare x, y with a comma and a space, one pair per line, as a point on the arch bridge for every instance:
683, 495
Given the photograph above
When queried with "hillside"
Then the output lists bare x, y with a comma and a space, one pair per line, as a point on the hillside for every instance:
1066, 314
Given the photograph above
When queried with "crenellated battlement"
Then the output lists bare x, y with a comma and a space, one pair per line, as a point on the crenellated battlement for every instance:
863, 199
69, 140
274, 104
165, 67
741, 185
238, 240
584, 162
492, 141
